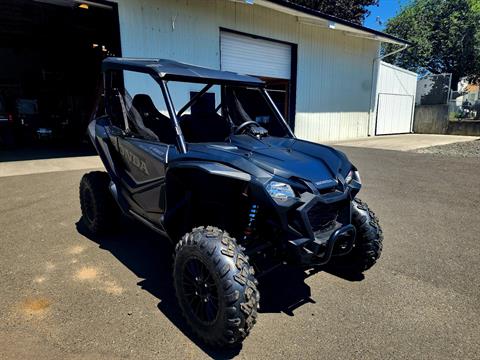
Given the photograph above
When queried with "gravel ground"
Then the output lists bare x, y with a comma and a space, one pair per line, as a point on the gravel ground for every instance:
460, 149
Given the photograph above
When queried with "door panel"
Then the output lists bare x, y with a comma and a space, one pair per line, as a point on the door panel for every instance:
144, 164
394, 114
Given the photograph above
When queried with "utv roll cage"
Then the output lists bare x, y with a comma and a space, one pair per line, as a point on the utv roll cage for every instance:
163, 71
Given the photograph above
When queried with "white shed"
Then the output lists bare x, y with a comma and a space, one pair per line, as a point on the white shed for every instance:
395, 100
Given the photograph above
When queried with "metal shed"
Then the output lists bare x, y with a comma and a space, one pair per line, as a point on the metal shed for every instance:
395, 100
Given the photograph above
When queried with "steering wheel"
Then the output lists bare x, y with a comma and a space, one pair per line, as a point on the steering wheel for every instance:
242, 126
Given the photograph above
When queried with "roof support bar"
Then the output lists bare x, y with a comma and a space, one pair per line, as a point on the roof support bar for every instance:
276, 111
194, 99
171, 111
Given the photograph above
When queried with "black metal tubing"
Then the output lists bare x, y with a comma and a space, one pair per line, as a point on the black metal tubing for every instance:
343, 231
292, 94
307, 250
182, 146
194, 99
276, 111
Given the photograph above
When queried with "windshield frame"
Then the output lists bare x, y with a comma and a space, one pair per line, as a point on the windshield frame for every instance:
174, 116
182, 144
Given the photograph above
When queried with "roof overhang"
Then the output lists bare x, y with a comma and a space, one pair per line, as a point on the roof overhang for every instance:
312, 17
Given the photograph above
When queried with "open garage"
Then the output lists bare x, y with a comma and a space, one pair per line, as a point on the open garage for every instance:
50, 57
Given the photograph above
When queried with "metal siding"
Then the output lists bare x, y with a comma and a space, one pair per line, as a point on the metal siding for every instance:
334, 70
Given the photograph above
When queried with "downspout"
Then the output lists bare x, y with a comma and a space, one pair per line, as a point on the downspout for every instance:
373, 93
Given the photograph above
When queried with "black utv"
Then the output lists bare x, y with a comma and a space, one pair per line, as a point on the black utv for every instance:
224, 178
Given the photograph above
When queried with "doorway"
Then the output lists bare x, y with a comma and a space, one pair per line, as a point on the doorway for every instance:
50, 59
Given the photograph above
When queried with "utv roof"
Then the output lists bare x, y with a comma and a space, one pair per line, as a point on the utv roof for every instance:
177, 71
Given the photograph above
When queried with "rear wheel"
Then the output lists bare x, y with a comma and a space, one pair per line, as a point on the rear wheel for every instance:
215, 286
368, 242
99, 210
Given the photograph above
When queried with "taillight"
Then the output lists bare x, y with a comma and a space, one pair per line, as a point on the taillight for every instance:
10, 118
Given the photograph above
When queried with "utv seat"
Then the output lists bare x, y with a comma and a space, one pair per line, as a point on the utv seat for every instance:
154, 119
204, 124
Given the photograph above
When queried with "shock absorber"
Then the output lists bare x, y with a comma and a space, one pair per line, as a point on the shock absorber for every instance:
252, 217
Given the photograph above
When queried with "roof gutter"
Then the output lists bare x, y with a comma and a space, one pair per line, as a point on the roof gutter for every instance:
287, 6
391, 53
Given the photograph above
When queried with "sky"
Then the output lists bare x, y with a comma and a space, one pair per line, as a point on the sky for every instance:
386, 10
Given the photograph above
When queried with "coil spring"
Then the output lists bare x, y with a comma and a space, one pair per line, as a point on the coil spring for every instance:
252, 217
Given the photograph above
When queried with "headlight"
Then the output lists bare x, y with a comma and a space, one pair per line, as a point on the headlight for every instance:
280, 191
352, 175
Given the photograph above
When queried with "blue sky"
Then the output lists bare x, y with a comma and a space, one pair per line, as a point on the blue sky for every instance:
386, 10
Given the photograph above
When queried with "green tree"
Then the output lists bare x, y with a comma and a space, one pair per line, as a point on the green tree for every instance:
351, 10
445, 34
475, 4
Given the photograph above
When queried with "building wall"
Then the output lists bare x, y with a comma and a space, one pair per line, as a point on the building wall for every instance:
334, 78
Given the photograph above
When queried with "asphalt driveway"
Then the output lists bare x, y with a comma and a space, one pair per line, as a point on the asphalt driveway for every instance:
67, 295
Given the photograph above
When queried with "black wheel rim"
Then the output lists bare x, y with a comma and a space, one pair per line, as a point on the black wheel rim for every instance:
200, 291
88, 202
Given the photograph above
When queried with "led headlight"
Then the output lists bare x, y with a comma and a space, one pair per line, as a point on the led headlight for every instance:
352, 175
280, 191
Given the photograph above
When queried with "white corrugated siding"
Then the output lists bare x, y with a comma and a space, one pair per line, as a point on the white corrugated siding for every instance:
396, 89
334, 78
253, 56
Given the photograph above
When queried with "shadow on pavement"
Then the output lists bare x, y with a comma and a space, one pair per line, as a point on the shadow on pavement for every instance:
150, 257
45, 152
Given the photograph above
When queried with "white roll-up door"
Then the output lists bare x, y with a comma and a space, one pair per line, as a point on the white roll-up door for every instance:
248, 55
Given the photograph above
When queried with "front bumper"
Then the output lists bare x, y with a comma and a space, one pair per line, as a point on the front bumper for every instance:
325, 223
319, 251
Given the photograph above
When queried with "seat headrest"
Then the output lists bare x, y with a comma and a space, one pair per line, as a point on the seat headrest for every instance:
144, 103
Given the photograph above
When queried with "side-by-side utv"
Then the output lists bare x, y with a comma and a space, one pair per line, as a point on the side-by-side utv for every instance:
225, 179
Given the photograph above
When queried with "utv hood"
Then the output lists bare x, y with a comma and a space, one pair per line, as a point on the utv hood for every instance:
293, 158
287, 158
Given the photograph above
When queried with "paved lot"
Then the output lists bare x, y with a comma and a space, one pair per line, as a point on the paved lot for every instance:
65, 295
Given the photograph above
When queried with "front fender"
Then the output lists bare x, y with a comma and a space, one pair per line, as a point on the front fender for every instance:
201, 193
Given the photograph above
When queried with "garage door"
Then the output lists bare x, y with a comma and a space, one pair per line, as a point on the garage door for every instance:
253, 56
394, 114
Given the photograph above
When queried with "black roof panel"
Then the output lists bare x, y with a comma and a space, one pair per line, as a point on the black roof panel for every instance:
177, 71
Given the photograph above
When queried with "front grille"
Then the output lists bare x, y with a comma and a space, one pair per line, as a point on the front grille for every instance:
323, 217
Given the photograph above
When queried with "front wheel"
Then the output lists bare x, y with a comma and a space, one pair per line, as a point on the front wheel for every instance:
215, 286
368, 241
